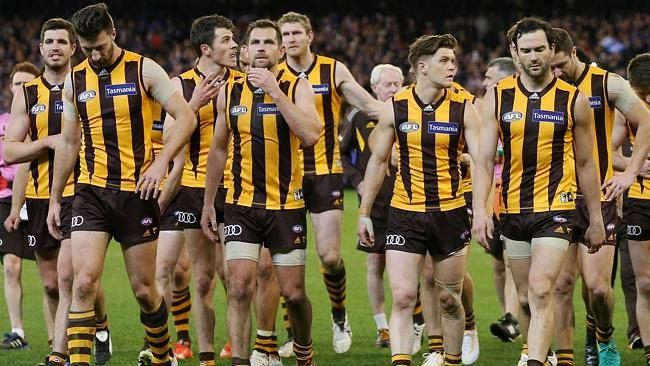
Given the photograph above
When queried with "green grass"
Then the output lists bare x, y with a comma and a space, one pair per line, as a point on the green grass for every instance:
127, 331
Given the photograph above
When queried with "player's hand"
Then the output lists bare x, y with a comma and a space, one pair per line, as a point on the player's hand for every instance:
366, 231
482, 229
595, 236
149, 183
51, 141
12, 222
360, 187
263, 78
645, 169
209, 223
617, 185
207, 89
54, 220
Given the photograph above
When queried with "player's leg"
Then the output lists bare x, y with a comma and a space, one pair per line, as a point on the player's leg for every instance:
563, 312
431, 309
640, 252
170, 245
267, 299
182, 304
375, 264
46, 260
13, 291
519, 253
470, 338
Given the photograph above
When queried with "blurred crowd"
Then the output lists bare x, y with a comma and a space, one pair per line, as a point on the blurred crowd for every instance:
361, 42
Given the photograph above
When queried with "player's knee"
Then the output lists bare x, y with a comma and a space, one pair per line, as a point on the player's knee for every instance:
600, 291
498, 267
450, 303
540, 290
331, 260
12, 270
294, 296
404, 299
65, 282
240, 290
376, 265
163, 276
205, 286
145, 295
85, 287
265, 272
564, 287
643, 286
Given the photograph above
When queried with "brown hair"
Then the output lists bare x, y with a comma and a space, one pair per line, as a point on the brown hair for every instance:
563, 41
203, 30
92, 20
638, 72
293, 17
529, 25
263, 23
427, 45
24, 66
59, 23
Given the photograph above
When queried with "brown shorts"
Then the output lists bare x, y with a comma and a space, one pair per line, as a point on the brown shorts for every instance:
581, 221
14, 242
438, 233
636, 217
38, 235
468, 203
527, 226
169, 217
323, 192
275, 229
496, 244
124, 215
189, 209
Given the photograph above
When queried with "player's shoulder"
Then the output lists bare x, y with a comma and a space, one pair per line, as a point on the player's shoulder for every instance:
507, 82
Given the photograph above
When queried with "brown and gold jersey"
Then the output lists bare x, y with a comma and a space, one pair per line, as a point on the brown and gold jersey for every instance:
467, 173
429, 142
593, 83
196, 157
324, 157
640, 189
537, 133
116, 122
157, 128
44, 105
265, 169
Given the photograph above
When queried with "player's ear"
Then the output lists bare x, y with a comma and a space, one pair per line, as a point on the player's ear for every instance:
310, 36
281, 52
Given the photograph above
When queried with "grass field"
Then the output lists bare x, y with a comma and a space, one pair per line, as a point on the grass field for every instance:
127, 332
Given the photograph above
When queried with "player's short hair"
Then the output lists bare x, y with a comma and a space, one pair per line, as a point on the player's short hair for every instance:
59, 23
505, 65
90, 21
293, 17
427, 45
379, 69
638, 72
263, 23
510, 35
582, 55
529, 25
24, 66
202, 31
563, 41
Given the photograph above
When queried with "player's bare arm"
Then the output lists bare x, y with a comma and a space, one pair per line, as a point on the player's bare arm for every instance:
583, 137
354, 94
377, 165
483, 172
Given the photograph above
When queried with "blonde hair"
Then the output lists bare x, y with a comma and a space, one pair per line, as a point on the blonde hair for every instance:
293, 17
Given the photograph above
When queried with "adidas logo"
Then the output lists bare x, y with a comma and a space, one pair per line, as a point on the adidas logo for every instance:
559, 230
146, 234
302, 75
297, 241
428, 108
534, 96
103, 73
258, 91
55, 88
370, 124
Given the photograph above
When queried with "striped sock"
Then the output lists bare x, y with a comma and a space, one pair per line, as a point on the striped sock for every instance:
565, 357
266, 342
524, 349
534, 363
436, 344
470, 323
591, 323
102, 325
236, 361
418, 318
285, 318
303, 353
451, 360
604, 335
181, 307
56, 359
401, 359
155, 326
335, 284
81, 333
206, 359
646, 353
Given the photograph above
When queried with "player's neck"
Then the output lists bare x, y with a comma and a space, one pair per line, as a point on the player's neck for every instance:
56, 77
428, 93
301, 62
537, 83
580, 68
117, 51
207, 66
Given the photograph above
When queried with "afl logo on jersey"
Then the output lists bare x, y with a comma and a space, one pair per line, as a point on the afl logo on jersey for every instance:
238, 110
409, 126
511, 117
86, 96
38, 108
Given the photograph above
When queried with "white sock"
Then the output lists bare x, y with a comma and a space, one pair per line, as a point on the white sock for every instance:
265, 333
18, 331
380, 320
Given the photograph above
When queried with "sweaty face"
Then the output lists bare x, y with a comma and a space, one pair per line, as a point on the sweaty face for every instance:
534, 53
263, 48
563, 66
295, 39
440, 69
224, 48
99, 50
390, 82
19, 79
56, 49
